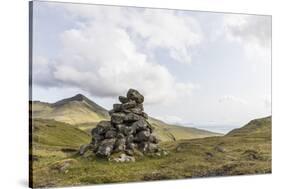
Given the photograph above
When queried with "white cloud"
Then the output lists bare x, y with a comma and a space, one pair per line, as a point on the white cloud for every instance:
249, 29
104, 56
155, 28
232, 99
42, 71
253, 32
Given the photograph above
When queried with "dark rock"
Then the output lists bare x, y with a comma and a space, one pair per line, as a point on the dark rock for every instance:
106, 147
140, 125
117, 107
121, 128
123, 99
120, 145
129, 105
129, 130
101, 128
96, 137
135, 95
136, 111
110, 134
153, 139
142, 136
120, 135
144, 115
129, 139
131, 146
131, 117
117, 118
143, 147
110, 112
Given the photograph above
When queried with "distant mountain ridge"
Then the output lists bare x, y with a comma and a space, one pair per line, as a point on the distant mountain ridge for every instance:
84, 113
75, 110
79, 97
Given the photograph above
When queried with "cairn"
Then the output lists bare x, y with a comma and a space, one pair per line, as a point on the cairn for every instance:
127, 133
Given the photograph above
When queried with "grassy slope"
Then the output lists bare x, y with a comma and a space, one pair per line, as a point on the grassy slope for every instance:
167, 132
85, 114
74, 112
245, 153
254, 128
54, 133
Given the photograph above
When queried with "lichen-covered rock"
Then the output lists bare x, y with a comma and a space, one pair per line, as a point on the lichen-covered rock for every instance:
124, 158
120, 145
106, 147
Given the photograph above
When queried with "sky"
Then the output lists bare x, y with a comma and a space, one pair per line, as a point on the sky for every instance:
203, 69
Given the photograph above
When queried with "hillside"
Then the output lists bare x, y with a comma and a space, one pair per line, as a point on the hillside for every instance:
243, 151
54, 133
167, 132
75, 110
255, 128
83, 113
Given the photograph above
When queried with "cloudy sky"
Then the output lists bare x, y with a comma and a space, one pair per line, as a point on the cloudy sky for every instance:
210, 70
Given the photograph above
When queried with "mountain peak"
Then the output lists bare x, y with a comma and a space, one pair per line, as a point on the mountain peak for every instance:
86, 101
78, 97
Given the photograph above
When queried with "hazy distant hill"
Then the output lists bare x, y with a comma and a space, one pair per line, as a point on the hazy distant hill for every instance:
166, 131
84, 113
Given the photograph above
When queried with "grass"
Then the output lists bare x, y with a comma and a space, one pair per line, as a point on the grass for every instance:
239, 154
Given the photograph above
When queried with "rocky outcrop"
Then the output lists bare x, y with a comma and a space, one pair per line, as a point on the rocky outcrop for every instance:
127, 133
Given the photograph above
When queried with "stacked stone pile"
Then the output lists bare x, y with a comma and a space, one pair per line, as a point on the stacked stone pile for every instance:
128, 132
